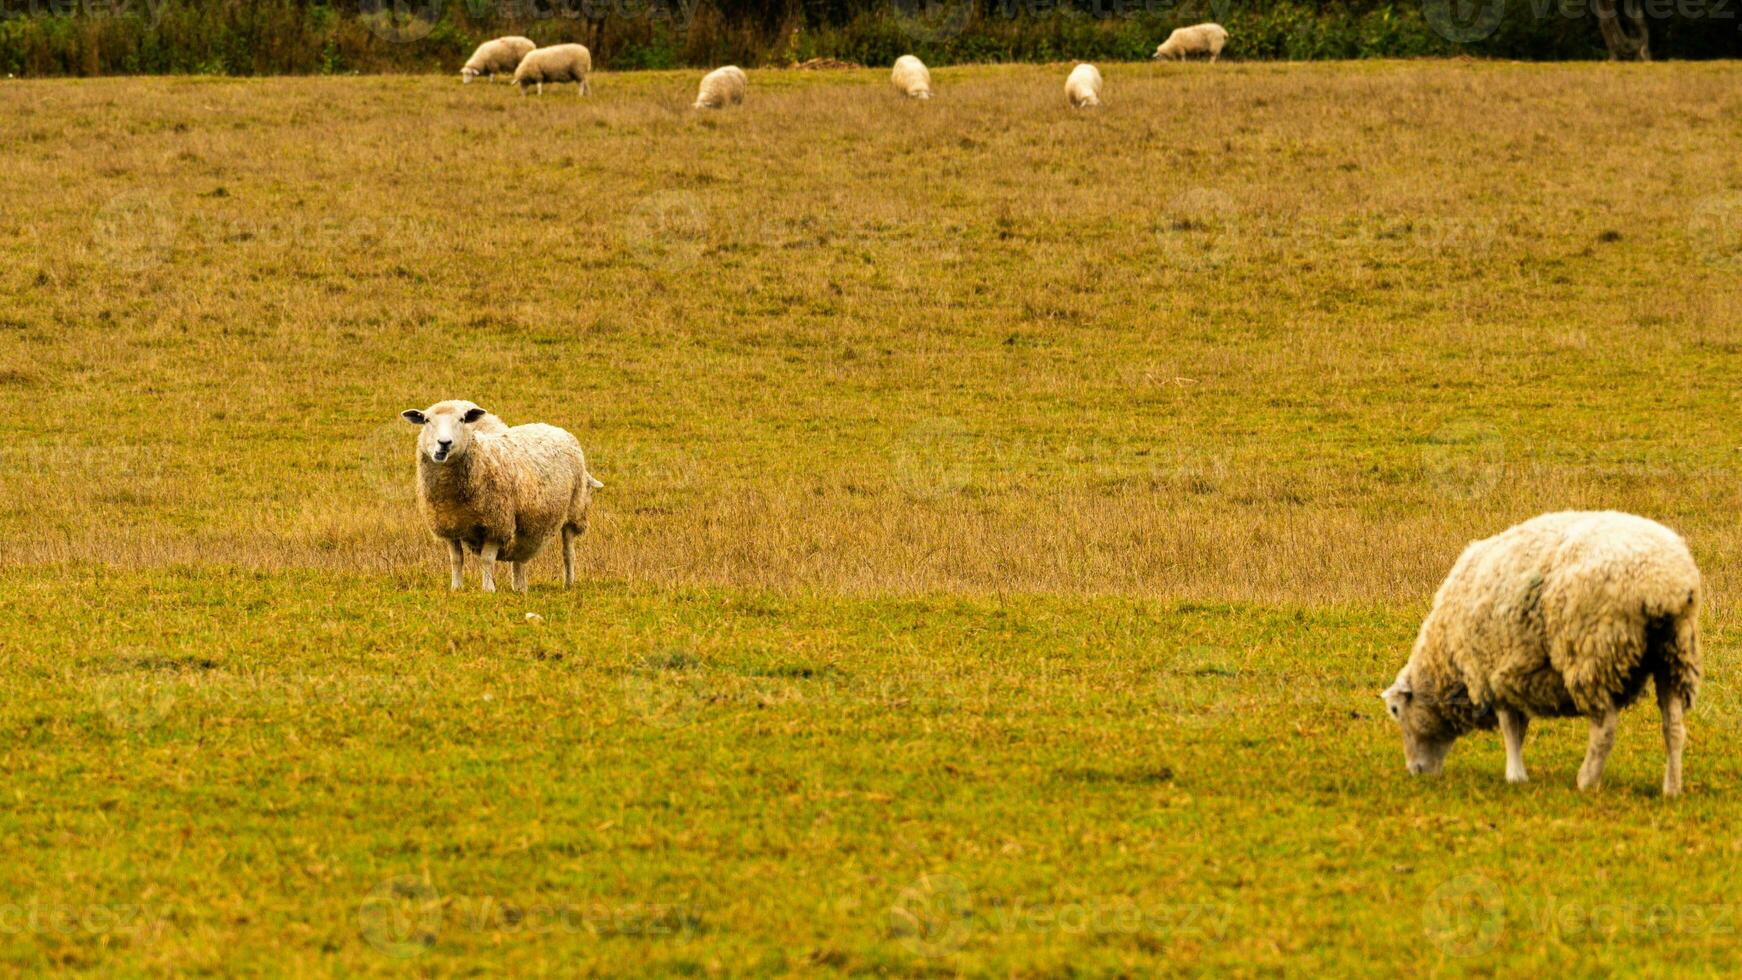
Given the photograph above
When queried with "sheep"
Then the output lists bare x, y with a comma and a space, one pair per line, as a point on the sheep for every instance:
499, 491
1083, 88
722, 87
911, 77
1207, 39
498, 57
557, 63
1565, 614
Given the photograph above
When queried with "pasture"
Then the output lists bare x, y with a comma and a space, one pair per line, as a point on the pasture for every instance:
1010, 515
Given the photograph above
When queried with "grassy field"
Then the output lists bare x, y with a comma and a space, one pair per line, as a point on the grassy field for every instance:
1010, 515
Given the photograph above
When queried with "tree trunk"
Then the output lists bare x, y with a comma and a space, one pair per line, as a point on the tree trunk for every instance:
1624, 30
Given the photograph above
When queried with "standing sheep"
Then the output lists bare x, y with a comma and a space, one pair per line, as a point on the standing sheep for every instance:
499, 491
1083, 88
1207, 39
911, 77
722, 87
498, 57
557, 63
1565, 614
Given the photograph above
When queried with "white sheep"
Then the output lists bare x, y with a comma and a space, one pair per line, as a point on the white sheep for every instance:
722, 87
499, 491
1207, 39
1083, 88
557, 63
1565, 614
911, 77
498, 57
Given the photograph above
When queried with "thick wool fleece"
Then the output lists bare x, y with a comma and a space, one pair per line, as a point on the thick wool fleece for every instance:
1564, 614
722, 87
518, 487
498, 57
1199, 39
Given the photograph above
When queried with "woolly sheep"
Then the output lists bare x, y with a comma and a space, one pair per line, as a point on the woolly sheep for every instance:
722, 87
1083, 88
498, 57
557, 63
1565, 614
499, 491
911, 77
1186, 41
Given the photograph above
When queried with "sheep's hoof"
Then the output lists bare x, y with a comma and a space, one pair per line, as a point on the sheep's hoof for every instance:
1517, 777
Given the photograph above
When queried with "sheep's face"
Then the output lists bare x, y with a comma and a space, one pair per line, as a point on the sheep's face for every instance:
1162, 53
446, 429
1426, 739
467, 74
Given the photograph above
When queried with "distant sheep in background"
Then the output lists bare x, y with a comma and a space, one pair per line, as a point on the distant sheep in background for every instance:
1565, 614
1083, 88
1207, 39
499, 491
498, 57
911, 77
557, 63
722, 87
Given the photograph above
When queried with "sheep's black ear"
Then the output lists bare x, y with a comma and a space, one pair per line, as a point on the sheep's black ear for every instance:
474, 415
413, 416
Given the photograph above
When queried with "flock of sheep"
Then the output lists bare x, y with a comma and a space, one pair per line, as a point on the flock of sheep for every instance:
1567, 614
533, 66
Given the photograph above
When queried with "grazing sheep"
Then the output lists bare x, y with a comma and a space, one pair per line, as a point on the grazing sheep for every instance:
1083, 88
911, 77
499, 491
1207, 39
1565, 614
722, 87
557, 63
498, 57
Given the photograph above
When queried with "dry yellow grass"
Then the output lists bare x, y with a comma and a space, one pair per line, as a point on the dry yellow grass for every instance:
1274, 332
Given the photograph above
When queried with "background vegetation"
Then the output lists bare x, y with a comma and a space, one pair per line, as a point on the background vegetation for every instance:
1010, 516
263, 37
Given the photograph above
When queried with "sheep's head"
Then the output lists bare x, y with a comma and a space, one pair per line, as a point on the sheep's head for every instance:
446, 428
1162, 52
1427, 733
467, 74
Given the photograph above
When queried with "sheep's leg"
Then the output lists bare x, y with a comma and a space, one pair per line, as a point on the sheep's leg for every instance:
583, 88
1597, 752
540, 88
568, 556
520, 576
1512, 728
457, 560
1674, 737
487, 564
